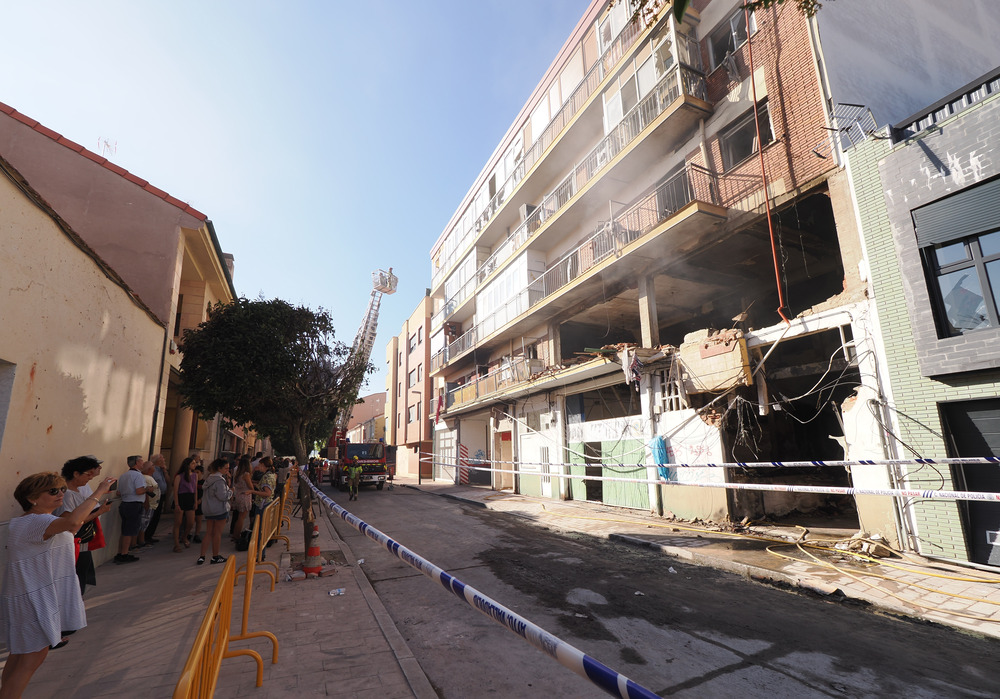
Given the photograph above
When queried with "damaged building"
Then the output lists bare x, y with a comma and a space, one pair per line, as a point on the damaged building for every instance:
665, 245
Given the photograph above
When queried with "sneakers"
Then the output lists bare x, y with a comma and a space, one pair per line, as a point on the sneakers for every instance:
218, 559
201, 559
125, 558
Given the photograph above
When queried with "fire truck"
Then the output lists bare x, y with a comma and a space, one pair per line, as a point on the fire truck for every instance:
371, 456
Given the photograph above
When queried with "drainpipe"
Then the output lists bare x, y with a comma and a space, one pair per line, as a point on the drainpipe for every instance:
782, 306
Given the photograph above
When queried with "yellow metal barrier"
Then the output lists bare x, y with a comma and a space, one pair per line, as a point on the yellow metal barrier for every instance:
211, 644
248, 574
249, 569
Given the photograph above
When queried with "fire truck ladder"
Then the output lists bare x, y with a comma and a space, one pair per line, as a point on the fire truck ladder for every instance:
382, 283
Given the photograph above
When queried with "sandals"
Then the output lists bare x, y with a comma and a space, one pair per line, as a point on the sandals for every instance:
201, 559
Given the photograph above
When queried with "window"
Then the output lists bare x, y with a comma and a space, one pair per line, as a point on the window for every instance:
411, 378
965, 278
729, 36
413, 342
420, 335
399, 390
177, 317
6, 390
739, 140
420, 372
412, 413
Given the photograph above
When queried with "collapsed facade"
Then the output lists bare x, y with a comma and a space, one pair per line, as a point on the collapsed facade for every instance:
617, 273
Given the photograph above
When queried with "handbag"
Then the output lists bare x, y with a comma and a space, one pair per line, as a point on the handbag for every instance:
243, 543
87, 532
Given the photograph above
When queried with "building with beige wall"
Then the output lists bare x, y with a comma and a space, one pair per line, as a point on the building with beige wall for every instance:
79, 350
410, 404
166, 251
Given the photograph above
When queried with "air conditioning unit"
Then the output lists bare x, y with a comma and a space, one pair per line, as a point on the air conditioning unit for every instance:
525, 210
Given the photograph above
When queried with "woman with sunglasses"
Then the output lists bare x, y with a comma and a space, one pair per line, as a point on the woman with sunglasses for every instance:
41, 594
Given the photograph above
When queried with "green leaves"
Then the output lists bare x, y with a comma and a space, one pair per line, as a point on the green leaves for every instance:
270, 365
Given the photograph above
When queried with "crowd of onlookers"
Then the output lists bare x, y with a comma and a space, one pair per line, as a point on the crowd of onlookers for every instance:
50, 547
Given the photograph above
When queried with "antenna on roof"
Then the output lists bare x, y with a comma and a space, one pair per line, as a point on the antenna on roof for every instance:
106, 147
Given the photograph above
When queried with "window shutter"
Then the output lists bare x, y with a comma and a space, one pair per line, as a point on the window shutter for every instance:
970, 212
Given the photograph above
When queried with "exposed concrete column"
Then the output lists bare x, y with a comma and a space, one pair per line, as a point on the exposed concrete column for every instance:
648, 319
555, 344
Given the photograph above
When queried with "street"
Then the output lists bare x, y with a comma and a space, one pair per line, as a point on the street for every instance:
677, 629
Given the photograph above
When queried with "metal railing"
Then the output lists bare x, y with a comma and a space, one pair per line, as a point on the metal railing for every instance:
516, 370
679, 80
608, 60
693, 183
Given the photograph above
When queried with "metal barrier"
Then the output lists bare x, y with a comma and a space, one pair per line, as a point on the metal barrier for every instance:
211, 644
567, 655
263, 530
248, 571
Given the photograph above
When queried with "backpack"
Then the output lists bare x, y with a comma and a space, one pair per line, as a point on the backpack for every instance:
243, 543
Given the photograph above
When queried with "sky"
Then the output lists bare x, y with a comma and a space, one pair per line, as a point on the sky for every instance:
324, 140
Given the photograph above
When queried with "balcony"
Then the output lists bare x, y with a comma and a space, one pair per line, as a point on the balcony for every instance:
678, 84
676, 213
576, 102
516, 370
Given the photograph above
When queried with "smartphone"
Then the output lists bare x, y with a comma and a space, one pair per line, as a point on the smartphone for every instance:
114, 487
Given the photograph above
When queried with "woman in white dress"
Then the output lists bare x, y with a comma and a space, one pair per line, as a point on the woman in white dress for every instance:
41, 595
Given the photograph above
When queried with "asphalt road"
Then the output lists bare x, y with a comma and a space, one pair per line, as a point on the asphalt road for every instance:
677, 629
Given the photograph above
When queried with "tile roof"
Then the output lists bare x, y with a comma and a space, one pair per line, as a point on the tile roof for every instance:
104, 162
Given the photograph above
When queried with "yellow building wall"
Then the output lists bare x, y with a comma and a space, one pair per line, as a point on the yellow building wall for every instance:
85, 356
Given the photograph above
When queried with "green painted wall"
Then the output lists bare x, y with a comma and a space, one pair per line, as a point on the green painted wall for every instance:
916, 397
634, 495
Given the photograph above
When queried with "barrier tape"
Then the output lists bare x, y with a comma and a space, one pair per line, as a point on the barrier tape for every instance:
567, 655
891, 492
428, 457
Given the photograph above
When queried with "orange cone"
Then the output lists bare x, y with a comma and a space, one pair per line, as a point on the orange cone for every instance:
313, 564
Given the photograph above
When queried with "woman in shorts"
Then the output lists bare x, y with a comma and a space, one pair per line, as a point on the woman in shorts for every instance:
185, 502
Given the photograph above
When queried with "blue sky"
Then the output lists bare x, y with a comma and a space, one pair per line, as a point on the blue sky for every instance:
324, 139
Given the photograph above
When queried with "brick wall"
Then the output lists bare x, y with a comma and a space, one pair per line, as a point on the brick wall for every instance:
889, 182
782, 50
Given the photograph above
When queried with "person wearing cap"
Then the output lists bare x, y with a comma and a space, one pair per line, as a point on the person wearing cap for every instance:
354, 477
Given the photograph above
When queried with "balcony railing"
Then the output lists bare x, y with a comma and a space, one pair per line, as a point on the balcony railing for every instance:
693, 183
609, 59
516, 370
680, 79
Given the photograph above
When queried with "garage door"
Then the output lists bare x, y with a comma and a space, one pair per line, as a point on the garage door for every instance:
974, 430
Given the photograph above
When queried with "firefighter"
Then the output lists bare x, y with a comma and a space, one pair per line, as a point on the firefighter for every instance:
353, 478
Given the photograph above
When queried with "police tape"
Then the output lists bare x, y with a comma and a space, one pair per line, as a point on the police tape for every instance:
567, 655
829, 490
428, 457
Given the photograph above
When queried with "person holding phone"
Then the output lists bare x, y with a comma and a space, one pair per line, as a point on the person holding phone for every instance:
133, 491
78, 473
40, 598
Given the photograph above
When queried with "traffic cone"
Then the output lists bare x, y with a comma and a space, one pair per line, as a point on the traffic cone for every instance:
313, 564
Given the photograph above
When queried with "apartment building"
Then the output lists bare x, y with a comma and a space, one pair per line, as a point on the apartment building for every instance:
408, 408
928, 192
616, 278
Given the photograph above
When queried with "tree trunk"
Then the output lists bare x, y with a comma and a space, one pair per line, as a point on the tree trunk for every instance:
305, 494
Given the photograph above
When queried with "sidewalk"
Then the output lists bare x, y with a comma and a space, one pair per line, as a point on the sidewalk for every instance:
962, 597
142, 619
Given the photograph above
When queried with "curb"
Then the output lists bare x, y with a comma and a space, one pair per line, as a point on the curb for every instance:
410, 666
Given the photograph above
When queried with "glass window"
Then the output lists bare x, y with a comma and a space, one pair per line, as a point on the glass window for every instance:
729, 36
739, 141
966, 281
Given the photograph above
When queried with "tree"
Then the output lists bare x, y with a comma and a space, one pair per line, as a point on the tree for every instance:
272, 366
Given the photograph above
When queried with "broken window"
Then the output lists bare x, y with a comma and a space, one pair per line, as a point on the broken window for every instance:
965, 278
739, 140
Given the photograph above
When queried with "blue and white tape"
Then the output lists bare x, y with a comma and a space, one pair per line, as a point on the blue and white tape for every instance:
829, 490
567, 655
